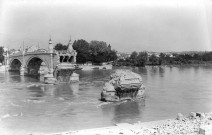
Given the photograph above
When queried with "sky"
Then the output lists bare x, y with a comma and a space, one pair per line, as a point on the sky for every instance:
127, 25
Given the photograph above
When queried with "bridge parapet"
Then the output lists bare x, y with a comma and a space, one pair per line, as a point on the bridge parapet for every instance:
15, 54
31, 53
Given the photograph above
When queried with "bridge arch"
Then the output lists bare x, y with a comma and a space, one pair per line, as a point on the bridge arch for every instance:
71, 59
15, 64
33, 65
61, 58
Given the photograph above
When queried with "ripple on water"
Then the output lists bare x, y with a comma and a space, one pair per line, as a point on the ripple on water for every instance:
13, 115
16, 105
34, 101
165, 91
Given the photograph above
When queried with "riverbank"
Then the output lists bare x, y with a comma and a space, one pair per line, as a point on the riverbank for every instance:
192, 124
119, 64
92, 67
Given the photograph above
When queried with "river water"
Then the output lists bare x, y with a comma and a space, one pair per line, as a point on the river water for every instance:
27, 106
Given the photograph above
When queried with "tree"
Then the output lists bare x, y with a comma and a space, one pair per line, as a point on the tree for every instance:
161, 58
1, 54
133, 55
207, 56
133, 58
83, 50
60, 46
99, 51
168, 59
109, 47
112, 55
187, 57
196, 57
153, 59
141, 59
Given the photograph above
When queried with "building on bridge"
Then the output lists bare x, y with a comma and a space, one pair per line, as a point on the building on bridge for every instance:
68, 55
30, 62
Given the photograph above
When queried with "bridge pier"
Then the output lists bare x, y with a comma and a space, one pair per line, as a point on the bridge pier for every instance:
50, 79
23, 70
42, 73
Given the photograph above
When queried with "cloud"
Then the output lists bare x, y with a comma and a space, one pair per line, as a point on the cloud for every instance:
127, 26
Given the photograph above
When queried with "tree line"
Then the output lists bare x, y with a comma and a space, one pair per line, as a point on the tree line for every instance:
1, 54
96, 51
142, 59
135, 59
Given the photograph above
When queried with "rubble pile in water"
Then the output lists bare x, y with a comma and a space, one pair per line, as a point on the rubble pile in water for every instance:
63, 72
123, 84
63, 75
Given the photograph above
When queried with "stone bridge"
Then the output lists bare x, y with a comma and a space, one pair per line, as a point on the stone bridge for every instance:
32, 61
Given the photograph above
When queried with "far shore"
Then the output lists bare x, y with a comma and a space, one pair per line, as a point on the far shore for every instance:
92, 67
178, 65
192, 124
157, 65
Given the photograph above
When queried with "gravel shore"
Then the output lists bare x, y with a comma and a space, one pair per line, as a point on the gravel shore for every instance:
192, 124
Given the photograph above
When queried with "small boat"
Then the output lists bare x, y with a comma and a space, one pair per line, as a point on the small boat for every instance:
95, 68
77, 67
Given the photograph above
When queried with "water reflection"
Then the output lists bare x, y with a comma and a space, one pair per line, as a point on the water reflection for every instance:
14, 76
75, 88
100, 75
153, 70
127, 111
66, 91
161, 71
36, 91
142, 70
63, 91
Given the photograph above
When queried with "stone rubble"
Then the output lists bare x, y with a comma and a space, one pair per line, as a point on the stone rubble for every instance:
193, 124
123, 85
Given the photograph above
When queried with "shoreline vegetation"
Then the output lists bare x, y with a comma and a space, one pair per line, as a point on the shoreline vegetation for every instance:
192, 124
142, 59
98, 52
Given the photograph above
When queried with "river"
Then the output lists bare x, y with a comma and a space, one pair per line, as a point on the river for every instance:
29, 107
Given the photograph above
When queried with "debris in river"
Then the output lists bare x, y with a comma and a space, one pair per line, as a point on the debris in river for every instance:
65, 73
123, 85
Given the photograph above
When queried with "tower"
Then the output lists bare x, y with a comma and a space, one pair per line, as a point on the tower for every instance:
51, 51
49, 78
70, 48
50, 46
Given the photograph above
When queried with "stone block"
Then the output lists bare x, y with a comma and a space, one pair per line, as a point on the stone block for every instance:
192, 115
201, 115
179, 116
205, 130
